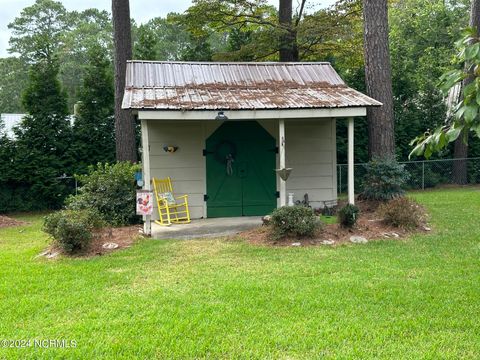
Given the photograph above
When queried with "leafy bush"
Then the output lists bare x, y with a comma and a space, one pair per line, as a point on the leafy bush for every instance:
348, 215
385, 179
403, 213
72, 229
298, 221
109, 189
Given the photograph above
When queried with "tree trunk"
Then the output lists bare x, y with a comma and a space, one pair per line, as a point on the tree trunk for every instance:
378, 78
461, 144
124, 121
288, 36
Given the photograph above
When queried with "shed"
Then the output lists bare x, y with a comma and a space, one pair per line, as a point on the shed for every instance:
233, 124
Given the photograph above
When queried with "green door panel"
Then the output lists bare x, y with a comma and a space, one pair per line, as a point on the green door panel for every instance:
259, 193
247, 187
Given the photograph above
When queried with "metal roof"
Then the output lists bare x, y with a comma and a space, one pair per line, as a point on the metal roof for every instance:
12, 120
237, 86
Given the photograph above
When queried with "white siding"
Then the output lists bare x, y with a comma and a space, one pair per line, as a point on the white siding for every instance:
310, 151
186, 166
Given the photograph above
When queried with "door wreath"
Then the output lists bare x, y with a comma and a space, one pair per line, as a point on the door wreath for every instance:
224, 151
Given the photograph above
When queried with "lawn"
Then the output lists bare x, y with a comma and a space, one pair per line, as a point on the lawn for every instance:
412, 299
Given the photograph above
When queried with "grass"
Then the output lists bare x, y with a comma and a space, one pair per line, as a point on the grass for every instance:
412, 299
328, 219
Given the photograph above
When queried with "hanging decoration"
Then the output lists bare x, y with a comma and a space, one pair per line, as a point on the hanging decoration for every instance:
223, 149
230, 160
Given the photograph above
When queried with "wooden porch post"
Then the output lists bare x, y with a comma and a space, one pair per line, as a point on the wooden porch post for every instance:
281, 148
351, 184
147, 220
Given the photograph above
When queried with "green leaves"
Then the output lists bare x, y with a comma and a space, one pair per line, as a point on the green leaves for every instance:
110, 190
477, 97
470, 113
384, 179
476, 130
453, 133
39, 31
467, 110
449, 79
471, 52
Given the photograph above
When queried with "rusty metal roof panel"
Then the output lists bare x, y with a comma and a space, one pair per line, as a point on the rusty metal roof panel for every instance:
237, 86
243, 99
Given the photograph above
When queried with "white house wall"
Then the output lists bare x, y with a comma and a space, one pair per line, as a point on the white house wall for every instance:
310, 151
310, 148
186, 166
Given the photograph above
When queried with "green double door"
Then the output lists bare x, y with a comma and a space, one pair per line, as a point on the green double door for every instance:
240, 159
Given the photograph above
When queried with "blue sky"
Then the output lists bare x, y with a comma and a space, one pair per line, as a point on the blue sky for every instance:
141, 11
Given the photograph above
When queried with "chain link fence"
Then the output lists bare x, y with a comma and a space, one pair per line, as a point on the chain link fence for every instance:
423, 174
69, 182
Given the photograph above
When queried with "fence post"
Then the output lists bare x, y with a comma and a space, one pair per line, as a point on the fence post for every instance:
423, 175
340, 176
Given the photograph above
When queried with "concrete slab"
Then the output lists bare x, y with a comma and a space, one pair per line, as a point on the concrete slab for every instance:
205, 228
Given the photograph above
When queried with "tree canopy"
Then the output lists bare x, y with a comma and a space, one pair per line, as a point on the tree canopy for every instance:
62, 58
39, 31
465, 114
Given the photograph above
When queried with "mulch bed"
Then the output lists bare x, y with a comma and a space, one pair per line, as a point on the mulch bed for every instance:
369, 226
6, 221
124, 237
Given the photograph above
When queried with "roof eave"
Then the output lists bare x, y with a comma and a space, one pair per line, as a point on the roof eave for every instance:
273, 114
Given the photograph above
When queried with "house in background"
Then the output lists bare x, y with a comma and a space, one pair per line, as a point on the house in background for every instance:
10, 121
233, 124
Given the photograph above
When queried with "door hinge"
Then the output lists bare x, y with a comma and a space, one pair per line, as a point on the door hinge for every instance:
277, 194
205, 197
205, 152
275, 150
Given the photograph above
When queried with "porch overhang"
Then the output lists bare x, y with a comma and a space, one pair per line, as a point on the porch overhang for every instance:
162, 93
210, 115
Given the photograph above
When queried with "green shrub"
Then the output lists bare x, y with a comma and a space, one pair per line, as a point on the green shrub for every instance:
109, 189
385, 179
348, 215
298, 221
72, 229
403, 213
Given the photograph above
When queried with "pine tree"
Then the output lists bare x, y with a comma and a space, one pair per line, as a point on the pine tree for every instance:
126, 149
288, 40
43, 139
145, 46
94, 129
7, 150
378, 78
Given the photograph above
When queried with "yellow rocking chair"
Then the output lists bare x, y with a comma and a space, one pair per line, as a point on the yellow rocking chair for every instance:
171, 209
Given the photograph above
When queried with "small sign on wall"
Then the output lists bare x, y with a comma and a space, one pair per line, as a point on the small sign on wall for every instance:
144, 202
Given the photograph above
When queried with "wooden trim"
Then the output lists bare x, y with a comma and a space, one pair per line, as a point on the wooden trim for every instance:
281, 151
147, 226
252, 114
351, 183
334, 158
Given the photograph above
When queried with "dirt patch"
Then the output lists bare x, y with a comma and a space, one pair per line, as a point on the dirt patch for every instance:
369, 226
124, 237
114, 238
6, 221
